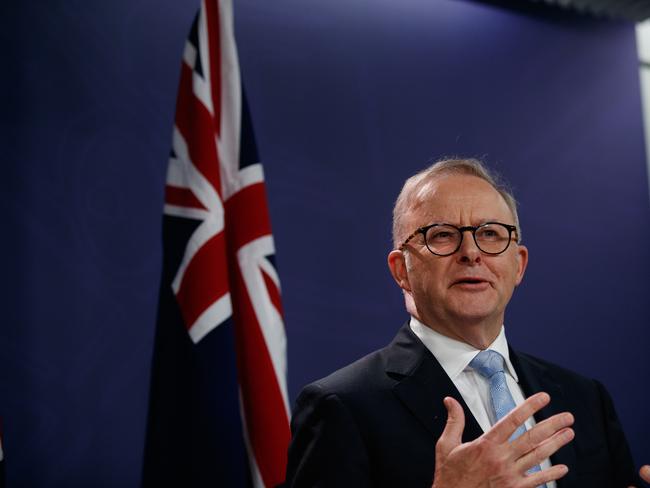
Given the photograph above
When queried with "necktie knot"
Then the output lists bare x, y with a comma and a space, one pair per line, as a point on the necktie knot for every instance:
487, 363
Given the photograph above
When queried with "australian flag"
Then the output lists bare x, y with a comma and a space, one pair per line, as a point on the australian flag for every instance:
218, 413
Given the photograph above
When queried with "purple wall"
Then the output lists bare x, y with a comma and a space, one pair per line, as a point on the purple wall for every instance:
348, 99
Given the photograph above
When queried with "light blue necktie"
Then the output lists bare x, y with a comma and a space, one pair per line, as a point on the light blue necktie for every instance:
489, 364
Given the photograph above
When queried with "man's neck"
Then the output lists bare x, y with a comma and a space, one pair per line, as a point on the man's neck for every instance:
479, 334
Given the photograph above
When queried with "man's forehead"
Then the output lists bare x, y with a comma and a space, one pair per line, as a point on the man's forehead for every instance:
453, 196
452, 183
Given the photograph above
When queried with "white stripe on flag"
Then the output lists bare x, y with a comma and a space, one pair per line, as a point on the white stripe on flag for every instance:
215, 315
251, 258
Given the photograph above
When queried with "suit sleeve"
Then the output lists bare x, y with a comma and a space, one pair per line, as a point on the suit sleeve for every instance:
625, 473
327, 449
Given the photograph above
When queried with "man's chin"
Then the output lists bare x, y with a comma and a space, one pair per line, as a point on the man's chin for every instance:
476, 315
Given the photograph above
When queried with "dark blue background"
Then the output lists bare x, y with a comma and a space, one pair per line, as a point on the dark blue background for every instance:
348, 98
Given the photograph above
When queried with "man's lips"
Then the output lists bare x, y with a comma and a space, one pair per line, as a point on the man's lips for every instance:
471, 283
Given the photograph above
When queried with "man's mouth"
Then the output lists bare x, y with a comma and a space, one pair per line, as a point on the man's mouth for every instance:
471, 283
470, 280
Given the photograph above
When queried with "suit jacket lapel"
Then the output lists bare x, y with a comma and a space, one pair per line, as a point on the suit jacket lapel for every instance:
422, 384
533, 378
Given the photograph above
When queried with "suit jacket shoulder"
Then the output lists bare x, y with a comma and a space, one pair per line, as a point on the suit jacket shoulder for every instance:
599, 454
374, 422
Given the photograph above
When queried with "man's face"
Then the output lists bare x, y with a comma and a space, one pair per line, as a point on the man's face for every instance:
463, 295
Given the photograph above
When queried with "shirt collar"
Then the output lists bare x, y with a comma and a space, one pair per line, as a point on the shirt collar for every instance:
454, 356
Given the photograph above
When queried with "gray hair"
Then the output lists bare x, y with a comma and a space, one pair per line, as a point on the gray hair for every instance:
409, 195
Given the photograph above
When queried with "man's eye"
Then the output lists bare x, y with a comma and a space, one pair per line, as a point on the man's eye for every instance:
442, 235
488, 234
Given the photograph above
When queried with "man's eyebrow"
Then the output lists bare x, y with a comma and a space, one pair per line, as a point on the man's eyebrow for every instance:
474, 223
485, 221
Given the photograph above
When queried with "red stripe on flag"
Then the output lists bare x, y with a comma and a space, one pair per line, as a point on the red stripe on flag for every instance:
182, 197
205, 280
250, 218
274, 293
196, 126
214, 32
266, 417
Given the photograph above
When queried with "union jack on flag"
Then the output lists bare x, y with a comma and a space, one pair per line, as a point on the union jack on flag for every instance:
220, 313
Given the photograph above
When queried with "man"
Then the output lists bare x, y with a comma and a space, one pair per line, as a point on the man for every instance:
448, 403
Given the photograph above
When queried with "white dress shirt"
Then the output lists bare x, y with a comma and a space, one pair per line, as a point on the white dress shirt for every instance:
454, 357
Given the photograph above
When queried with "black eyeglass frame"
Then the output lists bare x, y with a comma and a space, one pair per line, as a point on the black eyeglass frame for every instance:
462, 230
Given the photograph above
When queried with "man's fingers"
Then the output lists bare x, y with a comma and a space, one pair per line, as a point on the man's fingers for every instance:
540, 433
644, 472
452, 435
505, 427
546, 449
540, 477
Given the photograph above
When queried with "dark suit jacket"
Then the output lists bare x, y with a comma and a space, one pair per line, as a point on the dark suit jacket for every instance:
376, 422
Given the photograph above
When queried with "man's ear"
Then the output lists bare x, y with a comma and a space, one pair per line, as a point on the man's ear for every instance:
397, 266
522, 260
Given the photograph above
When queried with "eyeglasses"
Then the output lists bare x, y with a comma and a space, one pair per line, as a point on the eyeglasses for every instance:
445, 239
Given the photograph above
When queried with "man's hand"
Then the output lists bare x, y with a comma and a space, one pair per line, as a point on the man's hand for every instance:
644, 472
492, 460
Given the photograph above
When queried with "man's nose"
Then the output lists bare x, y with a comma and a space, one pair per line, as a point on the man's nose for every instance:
468, 251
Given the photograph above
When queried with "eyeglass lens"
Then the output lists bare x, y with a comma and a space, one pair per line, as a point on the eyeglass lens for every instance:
446, 239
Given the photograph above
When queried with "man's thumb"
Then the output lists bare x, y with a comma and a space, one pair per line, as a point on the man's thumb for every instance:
452, 435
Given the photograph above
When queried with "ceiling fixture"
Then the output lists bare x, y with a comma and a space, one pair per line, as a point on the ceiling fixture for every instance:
633, 10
